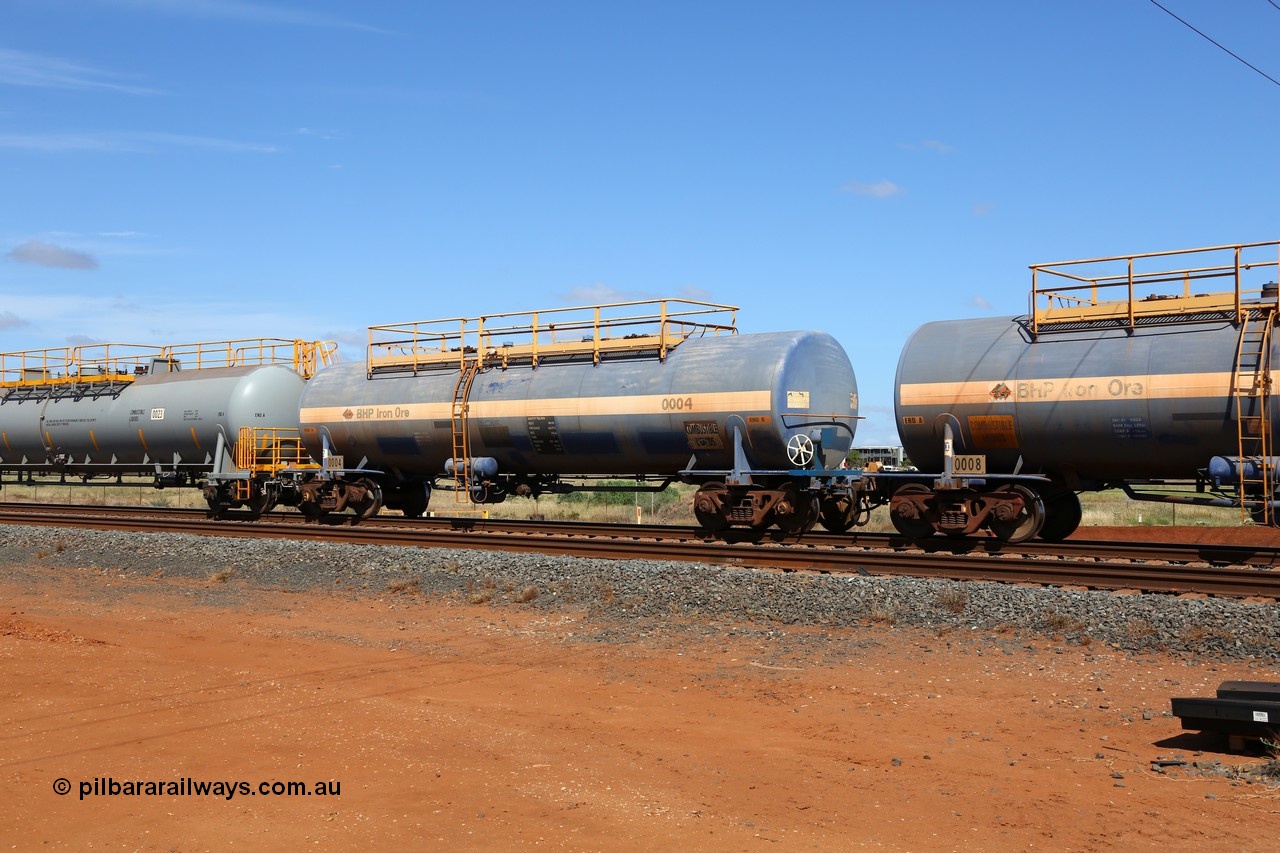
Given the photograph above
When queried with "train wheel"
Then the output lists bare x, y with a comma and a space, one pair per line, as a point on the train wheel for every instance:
708, 506
838, 514
259, 505
416, 506
802, 518
311, 510
1026, 523
219, 502
1062, 516
370, 502
918, 527
261, 502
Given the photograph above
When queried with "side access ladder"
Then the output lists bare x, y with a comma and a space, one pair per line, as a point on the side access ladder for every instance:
1251, 387
461, 441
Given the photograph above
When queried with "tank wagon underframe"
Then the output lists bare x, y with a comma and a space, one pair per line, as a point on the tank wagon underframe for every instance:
649, 392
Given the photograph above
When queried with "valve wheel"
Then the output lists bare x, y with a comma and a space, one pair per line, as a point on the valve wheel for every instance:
800, 450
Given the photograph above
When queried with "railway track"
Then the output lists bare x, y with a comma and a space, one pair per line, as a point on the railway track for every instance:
1235, 571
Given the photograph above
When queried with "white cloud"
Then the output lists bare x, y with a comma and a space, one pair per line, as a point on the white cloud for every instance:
245, 12
928, 145
880, 189
697, 294
319, 134
603, 294
599, 294
49, 72
983, 208
980, 302
61, 319
128, 142
48, 255
10, 320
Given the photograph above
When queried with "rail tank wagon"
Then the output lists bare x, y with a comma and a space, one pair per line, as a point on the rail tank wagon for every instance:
171, 413
1159, 382
528, 399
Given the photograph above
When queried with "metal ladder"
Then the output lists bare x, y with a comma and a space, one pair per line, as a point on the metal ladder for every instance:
1251, 387
461, 441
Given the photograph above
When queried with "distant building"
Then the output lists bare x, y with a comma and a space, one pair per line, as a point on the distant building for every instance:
889, 456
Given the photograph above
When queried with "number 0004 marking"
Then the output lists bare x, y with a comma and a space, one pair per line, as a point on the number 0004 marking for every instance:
677, 404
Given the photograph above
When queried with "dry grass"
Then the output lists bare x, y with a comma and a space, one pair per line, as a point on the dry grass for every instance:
1114, 509
883, 614
406, 585
135, 492
1139, 629
1195, 634
223, 575
1063, 622
483, 593
1102, 509
57, 548
953, 599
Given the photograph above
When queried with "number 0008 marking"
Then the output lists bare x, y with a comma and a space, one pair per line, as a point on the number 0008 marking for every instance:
969, 464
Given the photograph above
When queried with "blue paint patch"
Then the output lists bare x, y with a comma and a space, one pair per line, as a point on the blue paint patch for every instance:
398, 445
663, 443
590, 442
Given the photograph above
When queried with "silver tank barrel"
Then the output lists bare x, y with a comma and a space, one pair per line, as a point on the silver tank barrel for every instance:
172, 419
622, 416
1097, 404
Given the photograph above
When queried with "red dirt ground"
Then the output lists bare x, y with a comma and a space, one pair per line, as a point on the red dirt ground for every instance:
463, 727
1225, 535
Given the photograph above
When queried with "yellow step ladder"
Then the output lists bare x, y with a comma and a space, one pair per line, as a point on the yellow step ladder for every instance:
1251, 387
461, 441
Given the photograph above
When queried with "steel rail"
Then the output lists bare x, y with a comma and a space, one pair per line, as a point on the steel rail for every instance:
1073, 549
1209, 580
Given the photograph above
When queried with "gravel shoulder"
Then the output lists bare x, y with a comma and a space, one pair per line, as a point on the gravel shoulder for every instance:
503, 700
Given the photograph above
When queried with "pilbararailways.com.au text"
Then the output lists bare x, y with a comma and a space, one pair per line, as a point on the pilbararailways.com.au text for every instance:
188, 787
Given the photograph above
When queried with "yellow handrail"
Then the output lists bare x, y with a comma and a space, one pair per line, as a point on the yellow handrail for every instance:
530, 336
1124, 288
269, 450
121, 362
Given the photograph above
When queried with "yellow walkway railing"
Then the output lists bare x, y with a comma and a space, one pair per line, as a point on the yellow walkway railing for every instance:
1150, 288
500, 340
118, 363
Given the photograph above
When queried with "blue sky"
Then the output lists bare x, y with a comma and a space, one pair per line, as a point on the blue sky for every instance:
182, 170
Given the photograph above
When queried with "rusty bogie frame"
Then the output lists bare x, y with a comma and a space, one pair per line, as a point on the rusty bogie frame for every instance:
269, 466
718, 506
1014, 513
362, 497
